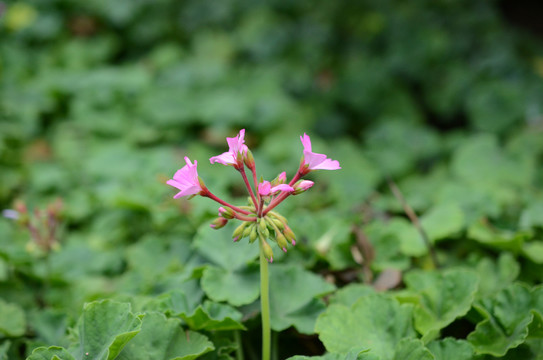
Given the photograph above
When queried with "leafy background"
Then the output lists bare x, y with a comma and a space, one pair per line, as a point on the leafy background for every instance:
100, 101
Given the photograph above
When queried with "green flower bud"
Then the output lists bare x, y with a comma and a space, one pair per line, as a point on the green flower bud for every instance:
226, 213
253, 235
278, 223
249, 159
276, 215
248, 229
266, 248
218, 223
290, 235
237, 234
262, 225
282, 242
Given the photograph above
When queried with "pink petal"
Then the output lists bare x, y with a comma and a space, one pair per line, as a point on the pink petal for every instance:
226, 158
281, 187
306, 142
264, 188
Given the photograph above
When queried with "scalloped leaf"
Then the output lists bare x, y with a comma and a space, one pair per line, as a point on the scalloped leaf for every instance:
50, 353
443, 297
238, 287
298, 308
213, 316
105, 328
451, 349
164, 339
12, 319
508, 318
374, 322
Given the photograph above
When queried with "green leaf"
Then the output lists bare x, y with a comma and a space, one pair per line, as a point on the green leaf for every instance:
218, 247
350, 294
533, 250
105, 328
165, 339
375, 322
443, 297
442, 221
12, 319
439, 223
237, 287
483, 233
481, 163
351, 355
532, 216
4, 347
451, 349
50, 353
213, 316
295, 308
412, 349
495, 276
507, 318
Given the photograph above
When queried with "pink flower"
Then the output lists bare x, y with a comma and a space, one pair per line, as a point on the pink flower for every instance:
186, 179
315, 161
236, 149
265, 188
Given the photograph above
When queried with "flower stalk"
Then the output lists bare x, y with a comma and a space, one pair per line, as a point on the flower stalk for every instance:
258, 219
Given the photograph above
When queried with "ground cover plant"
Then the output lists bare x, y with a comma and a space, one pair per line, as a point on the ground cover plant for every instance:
426, 244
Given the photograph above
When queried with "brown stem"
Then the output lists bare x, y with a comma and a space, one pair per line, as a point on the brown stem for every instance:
414, 219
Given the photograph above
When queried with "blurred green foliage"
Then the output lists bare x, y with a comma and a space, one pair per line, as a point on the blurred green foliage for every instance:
100, 101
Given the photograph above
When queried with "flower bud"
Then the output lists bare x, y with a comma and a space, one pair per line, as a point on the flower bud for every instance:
238, 233
253, 235
280, 179
247, 230
302, 186
278, 223
226, 213
289, 234
276, 215
218, 223
282, 242
202, 186
249, 160
266, 248
262, 224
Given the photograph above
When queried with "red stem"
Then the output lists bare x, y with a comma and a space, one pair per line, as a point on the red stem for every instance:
208, 194
282, 196
244, 218
249, 188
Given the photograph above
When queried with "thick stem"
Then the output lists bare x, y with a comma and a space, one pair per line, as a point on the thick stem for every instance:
239, 351
208, 194
265, 305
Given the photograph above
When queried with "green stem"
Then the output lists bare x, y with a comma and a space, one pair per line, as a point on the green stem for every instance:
239, 351
264, 305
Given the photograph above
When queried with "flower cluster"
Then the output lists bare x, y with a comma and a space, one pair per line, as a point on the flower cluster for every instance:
259, 221
43, 225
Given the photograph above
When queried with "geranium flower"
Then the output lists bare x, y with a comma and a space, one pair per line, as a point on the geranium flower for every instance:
265, 188
315, 161
236, 149
186, 179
